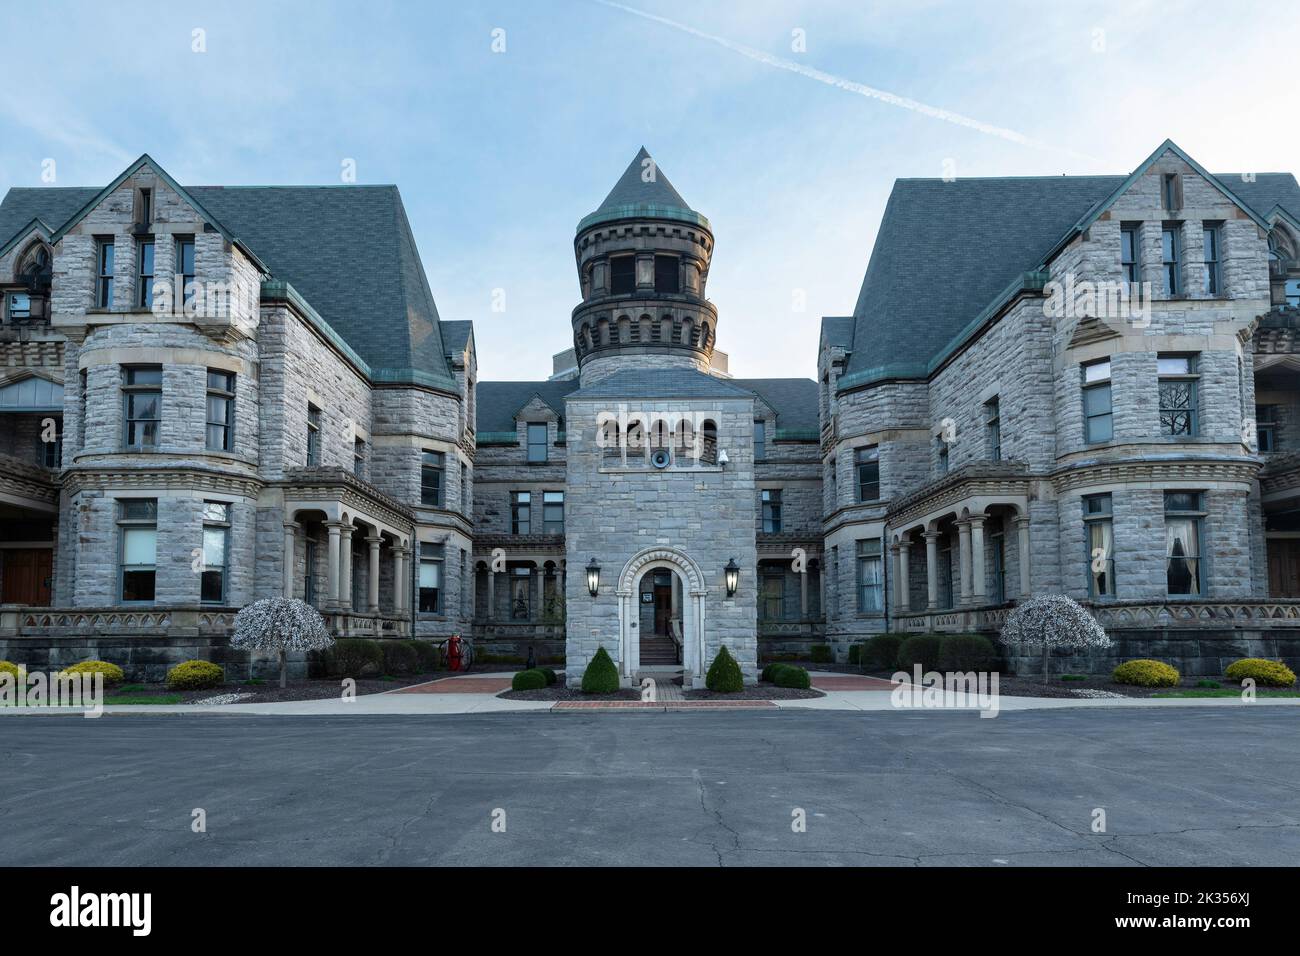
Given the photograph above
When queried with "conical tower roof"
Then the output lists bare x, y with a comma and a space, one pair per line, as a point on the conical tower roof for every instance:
643, 191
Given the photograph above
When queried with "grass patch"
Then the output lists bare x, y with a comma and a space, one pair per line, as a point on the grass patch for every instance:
1225, 692
142, 699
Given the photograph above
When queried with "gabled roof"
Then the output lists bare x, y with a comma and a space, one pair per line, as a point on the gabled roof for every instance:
662, 384
636, 196
948, 255
498, 402
837, 330
38, 226
794, 400
347, 250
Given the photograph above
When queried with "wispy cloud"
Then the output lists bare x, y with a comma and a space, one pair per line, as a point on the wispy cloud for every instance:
830, 79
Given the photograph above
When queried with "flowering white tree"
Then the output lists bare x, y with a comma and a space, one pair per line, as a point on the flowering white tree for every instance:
1053, 620
280, 624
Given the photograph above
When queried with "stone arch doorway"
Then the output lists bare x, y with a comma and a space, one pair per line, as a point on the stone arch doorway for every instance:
692, 606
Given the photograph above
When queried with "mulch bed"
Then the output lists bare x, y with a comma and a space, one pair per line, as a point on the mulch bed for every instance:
759, 691
1011, 685
270, 691
559, 691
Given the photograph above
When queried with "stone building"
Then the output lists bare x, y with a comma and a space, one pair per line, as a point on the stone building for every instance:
1080, 385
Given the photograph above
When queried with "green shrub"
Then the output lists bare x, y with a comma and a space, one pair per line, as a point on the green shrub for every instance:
769, 672
789, 676
967, 652
528, 680
724, 675
549, 674
1211, 684
920, 649
399, 657
1266, 673
18, 673
821, 654
601, 676
112, 673
881, 652
855, 653
1146, 673
354, 657
426, 653
195, 675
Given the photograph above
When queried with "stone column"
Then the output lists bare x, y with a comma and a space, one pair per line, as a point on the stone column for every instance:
332, 576
400, 578
290, 551
803, 592
977, 557
1022, 528
492, 591
345, 567
931, 570
904, 570
963, 559
372, 579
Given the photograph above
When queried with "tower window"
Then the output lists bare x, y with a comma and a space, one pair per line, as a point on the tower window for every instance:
667, 274
622, 275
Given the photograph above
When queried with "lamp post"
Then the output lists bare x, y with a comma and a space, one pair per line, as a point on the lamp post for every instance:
593, 577
732, 573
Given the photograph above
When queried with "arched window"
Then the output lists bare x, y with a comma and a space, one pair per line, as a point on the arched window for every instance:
1281, 250
709, 453
684, 451
33, 270
610, 439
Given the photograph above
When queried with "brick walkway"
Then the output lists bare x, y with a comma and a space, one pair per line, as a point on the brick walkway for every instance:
662, 705
850, 682
459, 685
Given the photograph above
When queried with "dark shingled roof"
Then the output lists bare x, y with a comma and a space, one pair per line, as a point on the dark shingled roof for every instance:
1267, 190
631, 188
456, 334
662, 383
793, 399
348, 250
497, 402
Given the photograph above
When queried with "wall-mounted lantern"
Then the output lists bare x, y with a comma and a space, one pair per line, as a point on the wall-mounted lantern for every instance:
593, 577
732, 572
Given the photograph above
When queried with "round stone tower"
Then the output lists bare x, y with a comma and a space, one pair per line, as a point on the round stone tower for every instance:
643, 261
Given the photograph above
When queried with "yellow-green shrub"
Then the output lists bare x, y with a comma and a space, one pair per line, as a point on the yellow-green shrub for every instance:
112, 673
195, 675
13, 670
1146, 673
1268, 673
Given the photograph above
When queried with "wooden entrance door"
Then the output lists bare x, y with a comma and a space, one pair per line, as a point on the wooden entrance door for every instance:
663, 589
27, 576
1284, 567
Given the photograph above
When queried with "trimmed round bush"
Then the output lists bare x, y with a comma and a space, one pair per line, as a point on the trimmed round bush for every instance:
426, 653
880, 653
821, 654
195, 675
601, 676
769, 671
967, 652
399, 657
920, 649
791, 676
549, 674
1146, 673
354, 657
112, 673
13, 670
724, 675
528, 680
1265, 672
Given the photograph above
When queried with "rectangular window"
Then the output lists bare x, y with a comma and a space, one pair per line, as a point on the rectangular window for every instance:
359, 457
104, 274
1212, 276
553, 512
521, 594
536, 441
941, 447
1184, 515
221, 410
431, 474
20, 305
1170, 251
521, 513
667, 274
144, 207
1171, 192
50, 453
1099, 532
1130, 254
1266, 427
1177, 382
867, 463
464, 489
993, 428
771, 499
142, 404
760, 440
309, 578
313, 435
144, 274
772, 595
138, 527
1098, 422
216, 538
622, 275
870, 577
430, 578
185, 266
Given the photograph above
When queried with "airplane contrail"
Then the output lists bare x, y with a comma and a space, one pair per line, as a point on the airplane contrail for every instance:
840, 82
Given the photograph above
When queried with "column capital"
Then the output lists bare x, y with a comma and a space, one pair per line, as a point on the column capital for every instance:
1021, 521
977, 521
292, 527
931, 535
374, 540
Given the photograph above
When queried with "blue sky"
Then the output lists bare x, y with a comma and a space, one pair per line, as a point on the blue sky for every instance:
499, 154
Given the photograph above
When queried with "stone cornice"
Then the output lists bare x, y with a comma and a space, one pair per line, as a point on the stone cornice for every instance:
339, 484
181, 478
1154, 470
25, 480
975, 478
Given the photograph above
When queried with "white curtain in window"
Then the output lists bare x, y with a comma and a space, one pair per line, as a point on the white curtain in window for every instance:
1183, 551
1101, 537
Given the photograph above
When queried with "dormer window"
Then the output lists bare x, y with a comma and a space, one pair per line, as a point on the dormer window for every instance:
1171, 192
144, 207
